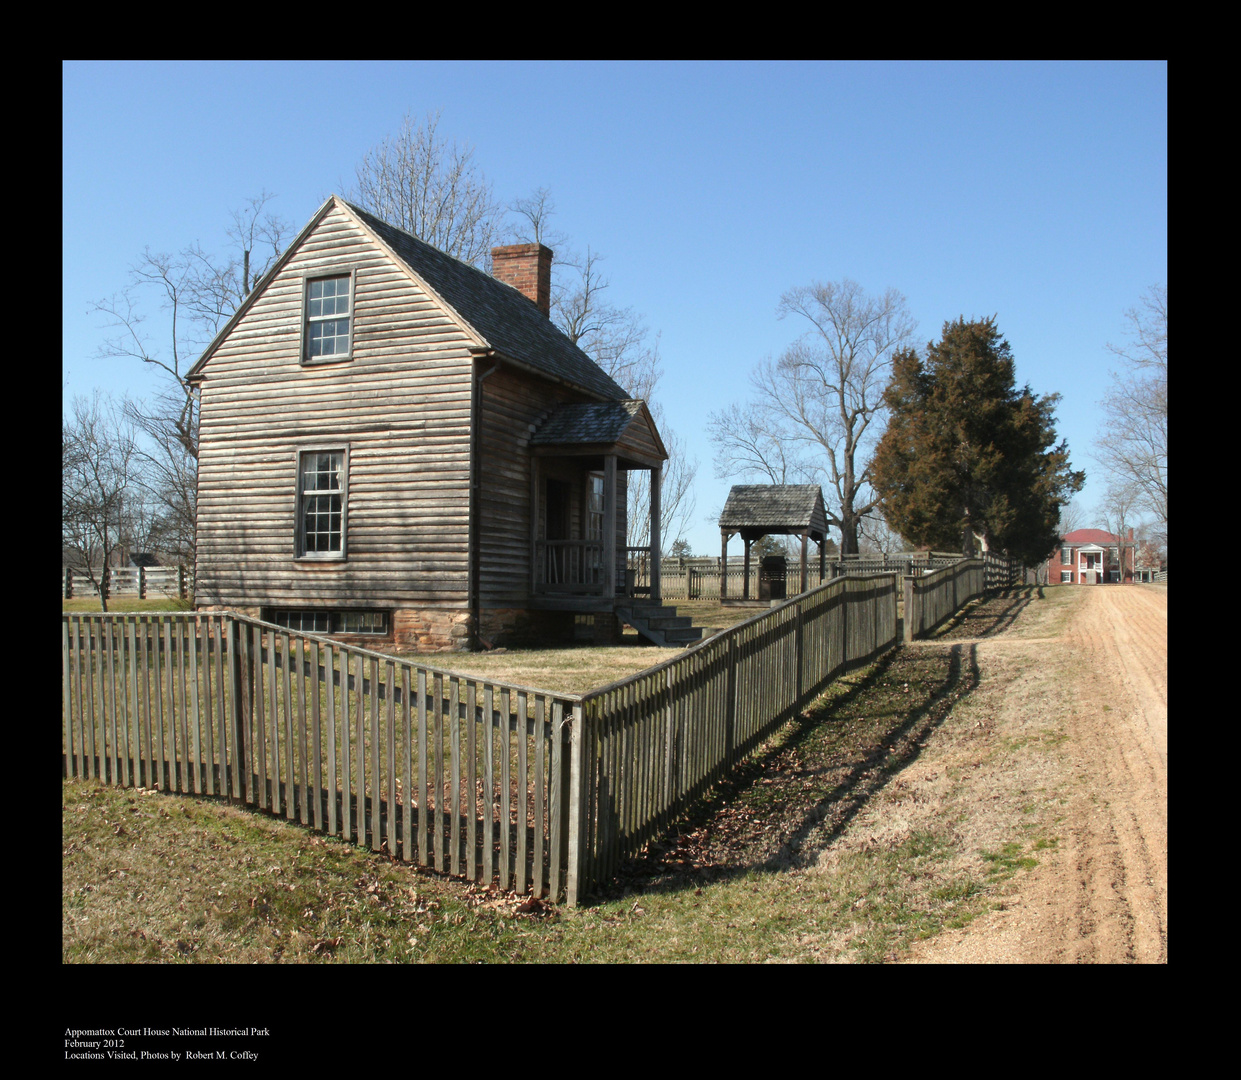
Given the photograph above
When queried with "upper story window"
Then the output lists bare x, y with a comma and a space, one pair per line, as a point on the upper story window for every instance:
1066, 555
321, 495
328, 325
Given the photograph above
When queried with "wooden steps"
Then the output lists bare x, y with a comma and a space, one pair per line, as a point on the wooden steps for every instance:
659, 623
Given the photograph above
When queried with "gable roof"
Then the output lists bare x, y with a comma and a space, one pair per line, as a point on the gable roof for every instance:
779, 508
499, 316
625, 426
601, 422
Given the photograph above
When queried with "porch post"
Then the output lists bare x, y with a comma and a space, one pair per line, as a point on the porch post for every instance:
609, 526
723, 565
657, 476
805, 577
745, 588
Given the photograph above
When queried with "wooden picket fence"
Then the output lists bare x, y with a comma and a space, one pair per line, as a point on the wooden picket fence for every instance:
699, 579
457, 774
503, 784
933, 597
646, 747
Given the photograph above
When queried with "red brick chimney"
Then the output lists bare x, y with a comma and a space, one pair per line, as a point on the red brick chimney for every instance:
528, 268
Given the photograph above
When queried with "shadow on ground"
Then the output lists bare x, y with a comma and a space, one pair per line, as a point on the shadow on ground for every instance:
992, 615
794, 797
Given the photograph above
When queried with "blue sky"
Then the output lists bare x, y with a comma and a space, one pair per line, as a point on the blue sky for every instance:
1036, 192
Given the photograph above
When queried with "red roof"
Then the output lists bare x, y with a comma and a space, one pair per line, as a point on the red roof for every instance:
1090, 536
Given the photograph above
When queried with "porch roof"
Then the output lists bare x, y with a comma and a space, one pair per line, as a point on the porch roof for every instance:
621, 427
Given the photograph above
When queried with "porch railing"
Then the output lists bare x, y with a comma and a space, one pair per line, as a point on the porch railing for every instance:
570, 566
577, 567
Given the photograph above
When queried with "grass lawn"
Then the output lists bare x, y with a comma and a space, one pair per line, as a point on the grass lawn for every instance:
579, 669
123, 604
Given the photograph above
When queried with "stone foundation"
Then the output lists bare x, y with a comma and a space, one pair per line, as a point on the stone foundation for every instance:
429, 630
435, 630
237, 609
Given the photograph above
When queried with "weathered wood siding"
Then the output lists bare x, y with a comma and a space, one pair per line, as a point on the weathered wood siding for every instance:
512, 402
402, 406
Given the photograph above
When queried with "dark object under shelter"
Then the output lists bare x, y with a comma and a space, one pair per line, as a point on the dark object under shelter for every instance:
758, 510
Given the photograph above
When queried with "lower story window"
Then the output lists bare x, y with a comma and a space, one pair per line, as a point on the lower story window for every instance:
321, 504
1066, 577
331, 622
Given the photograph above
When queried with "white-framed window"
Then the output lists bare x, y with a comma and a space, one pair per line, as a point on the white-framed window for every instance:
327, 328
322, 489
1066, 556
1066, 577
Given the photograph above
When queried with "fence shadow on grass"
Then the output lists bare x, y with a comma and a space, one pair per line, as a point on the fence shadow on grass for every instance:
992, 614
859, 741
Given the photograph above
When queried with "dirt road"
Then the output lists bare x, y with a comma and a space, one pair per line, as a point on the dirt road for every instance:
1074, 702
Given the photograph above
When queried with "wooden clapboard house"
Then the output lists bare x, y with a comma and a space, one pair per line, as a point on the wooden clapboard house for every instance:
394, 443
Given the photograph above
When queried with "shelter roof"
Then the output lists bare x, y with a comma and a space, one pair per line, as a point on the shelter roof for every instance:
775, 508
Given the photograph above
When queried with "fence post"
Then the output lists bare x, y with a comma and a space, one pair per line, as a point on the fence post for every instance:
104, 582
237, 707
800, 652
730, 704
68, 582
575, 883
142, 583
181, 593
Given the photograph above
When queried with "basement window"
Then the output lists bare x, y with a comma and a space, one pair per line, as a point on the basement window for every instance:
368, 623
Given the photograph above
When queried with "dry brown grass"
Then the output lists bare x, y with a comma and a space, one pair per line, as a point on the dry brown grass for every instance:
578, 669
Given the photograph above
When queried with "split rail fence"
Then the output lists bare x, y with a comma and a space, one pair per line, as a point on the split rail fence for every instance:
500, 783
140, 581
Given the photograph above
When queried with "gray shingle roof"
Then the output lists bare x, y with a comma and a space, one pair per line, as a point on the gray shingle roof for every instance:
602, 422
501, 315
779, 507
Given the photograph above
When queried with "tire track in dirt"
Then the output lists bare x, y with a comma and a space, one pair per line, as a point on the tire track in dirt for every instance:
1101, 895
1121, 726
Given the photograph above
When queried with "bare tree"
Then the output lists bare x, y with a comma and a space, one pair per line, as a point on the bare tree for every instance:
1119, 508
1133, 446
432, 189
1072, 518
99, 465
877, 536
813, 415
197, 292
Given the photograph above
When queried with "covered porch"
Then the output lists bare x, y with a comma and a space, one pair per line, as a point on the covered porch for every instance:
582, 460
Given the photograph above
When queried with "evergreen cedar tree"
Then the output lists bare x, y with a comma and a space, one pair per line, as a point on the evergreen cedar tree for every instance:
967, 455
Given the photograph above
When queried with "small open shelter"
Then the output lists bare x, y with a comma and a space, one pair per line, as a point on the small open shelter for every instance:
758, 510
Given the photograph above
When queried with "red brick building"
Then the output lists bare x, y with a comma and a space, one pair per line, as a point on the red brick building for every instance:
1092, 557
